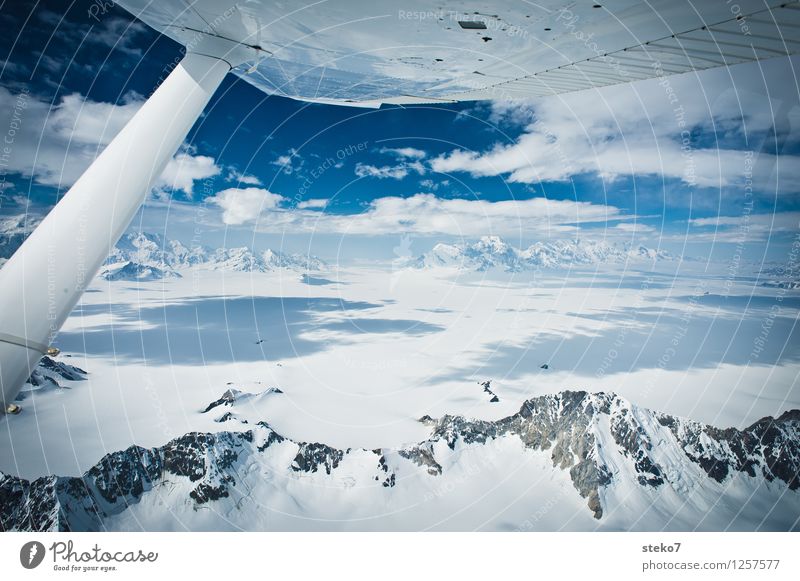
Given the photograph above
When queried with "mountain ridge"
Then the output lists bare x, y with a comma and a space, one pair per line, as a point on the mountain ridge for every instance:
146, 256
609, 448
493, 252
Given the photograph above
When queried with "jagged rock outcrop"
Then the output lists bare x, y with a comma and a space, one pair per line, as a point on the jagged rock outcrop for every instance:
232, 398
48, 375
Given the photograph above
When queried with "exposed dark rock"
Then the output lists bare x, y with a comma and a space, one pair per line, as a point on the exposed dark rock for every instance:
48, 375
422, 456
231, 396
311, 457
226, 399
487, 385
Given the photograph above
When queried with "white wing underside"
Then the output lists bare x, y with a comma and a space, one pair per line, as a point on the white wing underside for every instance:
365, 53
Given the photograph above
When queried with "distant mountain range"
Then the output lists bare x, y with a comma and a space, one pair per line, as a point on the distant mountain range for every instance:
143, 256
492, 252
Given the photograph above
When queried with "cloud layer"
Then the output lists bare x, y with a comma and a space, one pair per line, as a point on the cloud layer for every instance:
714, 133
418, 214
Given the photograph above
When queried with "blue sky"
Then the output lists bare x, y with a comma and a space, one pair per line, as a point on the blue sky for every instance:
659, 163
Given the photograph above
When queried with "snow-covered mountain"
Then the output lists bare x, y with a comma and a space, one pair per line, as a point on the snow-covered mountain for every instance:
13, 232
133, 271
492, 252
50, 375
144, 256
597, 460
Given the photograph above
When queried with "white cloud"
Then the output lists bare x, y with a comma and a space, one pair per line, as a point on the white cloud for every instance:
395, 172
364, 170
291, 162
87, 122
241, 178
411, 161
635, 228
56, 143
241, 206
184, 169
315, 203
434, 185
744, 228
120, 34
405, 152
429, 214
636, 130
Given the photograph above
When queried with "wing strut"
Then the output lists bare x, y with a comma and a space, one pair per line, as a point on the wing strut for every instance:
45, 278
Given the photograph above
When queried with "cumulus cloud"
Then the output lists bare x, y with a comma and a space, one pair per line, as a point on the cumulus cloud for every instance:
116, 32
405, 152
433, 186
395, 172
634, 228
429, 214
315, 203
744, 228
242, 206
86, 122
410, 162
364, 170
55, 143
642, 129
184, 169
289, 163
242, 178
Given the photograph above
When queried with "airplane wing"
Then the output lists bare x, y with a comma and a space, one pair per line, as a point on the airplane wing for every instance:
358, 53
